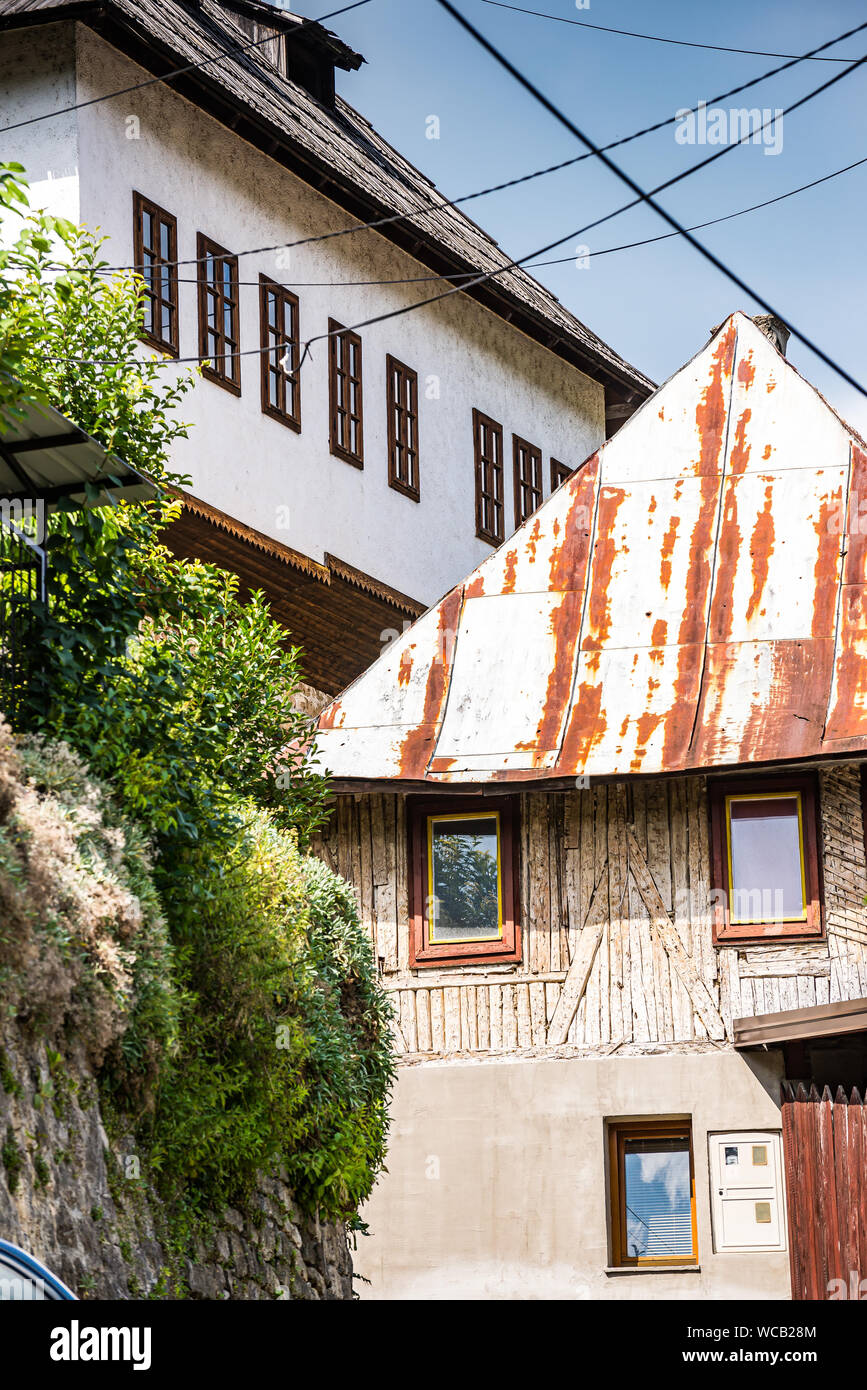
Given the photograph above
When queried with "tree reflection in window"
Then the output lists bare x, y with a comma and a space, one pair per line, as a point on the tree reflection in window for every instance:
464, 878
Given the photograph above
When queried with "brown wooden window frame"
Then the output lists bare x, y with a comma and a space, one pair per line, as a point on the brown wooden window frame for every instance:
339, 401
812, 927
559, 473
153, 258
229, 379
527, 473
489, 478
618, 1132
274, 347
507, 948
402, 410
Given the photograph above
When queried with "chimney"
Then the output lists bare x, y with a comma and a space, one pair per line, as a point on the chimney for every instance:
775, 329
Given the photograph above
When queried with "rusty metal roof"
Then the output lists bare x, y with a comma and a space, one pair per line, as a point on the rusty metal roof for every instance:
689, 598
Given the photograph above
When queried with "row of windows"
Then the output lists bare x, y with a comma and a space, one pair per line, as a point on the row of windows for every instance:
156, 240
765, 859
490, 482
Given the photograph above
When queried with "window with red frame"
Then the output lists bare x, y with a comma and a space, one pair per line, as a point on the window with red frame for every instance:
765, 859
464, 881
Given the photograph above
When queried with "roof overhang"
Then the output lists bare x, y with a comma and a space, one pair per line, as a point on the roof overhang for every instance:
45, 458
793, 1025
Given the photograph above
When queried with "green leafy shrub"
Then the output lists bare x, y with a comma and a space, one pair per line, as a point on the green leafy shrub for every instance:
287, 1054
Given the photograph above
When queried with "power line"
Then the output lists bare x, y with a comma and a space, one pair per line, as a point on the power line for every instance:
644, 197
179, 72
654, 38
534, 265
443, 204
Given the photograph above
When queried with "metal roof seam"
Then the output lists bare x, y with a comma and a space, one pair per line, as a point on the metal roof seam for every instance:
714, 561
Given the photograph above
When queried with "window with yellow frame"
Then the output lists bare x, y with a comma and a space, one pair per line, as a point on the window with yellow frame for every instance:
463, 882
765, 858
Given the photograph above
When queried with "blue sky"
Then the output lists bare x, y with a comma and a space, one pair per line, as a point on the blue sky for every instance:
654, 304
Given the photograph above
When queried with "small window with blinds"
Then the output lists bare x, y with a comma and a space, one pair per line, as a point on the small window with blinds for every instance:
652, 1186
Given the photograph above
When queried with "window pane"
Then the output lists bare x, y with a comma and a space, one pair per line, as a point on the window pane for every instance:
766, 881
658, 1191
464, 879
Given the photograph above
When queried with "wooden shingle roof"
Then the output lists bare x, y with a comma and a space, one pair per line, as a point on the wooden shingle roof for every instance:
337, 150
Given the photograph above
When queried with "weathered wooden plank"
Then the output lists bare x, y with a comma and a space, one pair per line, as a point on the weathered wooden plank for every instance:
437, 1021
402, 876
522, 1010
579, 971
602, 972
508, 996
422, 1020
618, 915
661, 923
495, 1008
452, 1017
538, 1022
483, 1019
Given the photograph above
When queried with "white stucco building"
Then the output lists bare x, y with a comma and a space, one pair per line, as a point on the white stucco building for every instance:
352, 525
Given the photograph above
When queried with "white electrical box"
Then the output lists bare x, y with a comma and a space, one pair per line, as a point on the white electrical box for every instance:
747, 1194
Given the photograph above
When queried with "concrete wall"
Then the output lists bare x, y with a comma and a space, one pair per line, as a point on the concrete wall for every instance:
238, 459
497, 1177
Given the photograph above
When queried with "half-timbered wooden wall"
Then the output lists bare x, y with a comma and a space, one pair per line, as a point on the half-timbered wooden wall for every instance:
615, 882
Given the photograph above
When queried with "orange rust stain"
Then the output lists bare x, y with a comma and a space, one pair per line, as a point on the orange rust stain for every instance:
532, 540
568, 567
667, 547
761, 550
848, 718
746, 370
476, 586
599, 614
658, 635
710, 413
414, 750
587, 723
565, 622
328, 717
645, 726
404, 670
766, 452
509, 577
661, 414
825, 570
651, 506
740, 448
699, 569
729, 550
680, 714
771, 386
855, 564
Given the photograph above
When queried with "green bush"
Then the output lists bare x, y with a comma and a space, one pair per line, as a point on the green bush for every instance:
286, 1053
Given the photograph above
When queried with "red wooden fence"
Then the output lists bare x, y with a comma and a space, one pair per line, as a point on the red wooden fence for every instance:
825, 1148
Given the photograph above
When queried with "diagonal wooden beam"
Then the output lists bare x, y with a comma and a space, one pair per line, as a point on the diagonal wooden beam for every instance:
661, 923
579, 971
